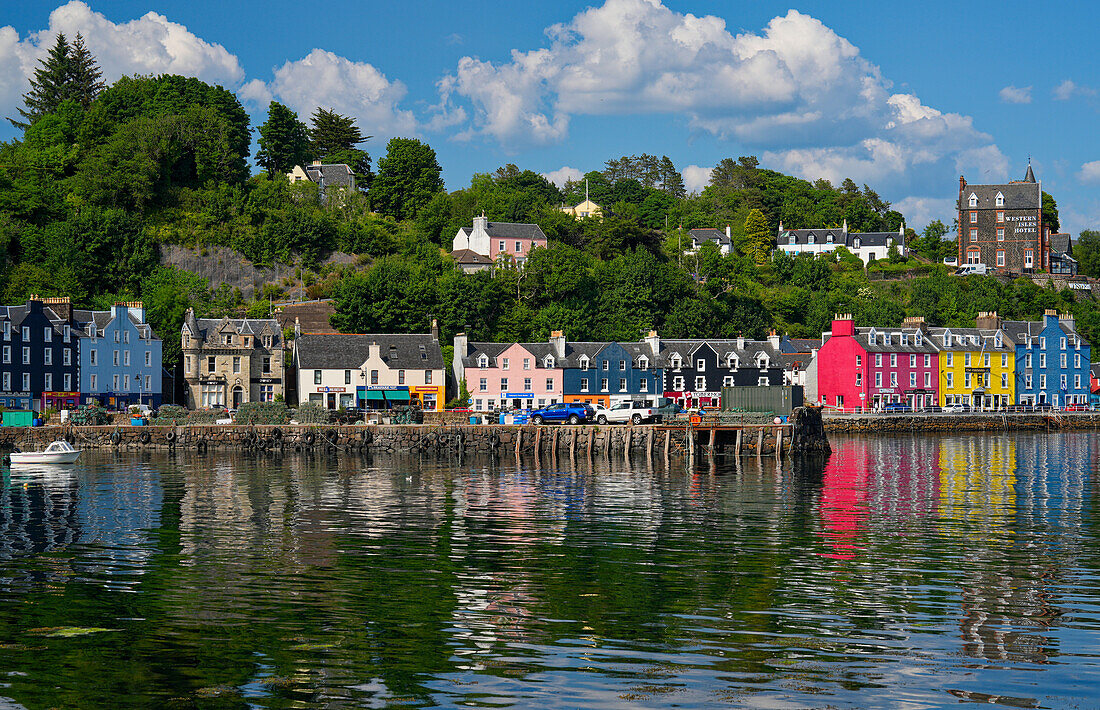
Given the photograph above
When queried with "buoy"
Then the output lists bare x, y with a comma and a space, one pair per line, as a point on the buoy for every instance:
777, 420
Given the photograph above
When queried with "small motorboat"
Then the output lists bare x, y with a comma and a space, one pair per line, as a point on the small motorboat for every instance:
57, 452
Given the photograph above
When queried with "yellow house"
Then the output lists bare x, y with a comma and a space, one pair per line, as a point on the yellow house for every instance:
977, 365
587, 208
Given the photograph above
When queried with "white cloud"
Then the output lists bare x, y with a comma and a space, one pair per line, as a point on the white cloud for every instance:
696, 177
796, 93
919, 211
150, 44
324, 79
1016, 95
1068, 89
1090, 172
559, 176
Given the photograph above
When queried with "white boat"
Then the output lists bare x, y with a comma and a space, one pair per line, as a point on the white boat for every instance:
57, 452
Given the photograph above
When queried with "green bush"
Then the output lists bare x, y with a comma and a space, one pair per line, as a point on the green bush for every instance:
311, 413
262, 413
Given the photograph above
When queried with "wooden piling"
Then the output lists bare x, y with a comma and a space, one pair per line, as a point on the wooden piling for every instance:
627, 435
691, 444
778, 443
649, 446
519, 440
737, 445
668, 443
760, 442
710, 449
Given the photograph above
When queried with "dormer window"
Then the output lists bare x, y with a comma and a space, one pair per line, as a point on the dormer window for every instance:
762, 362
731, 361
675, 362
584, 363
855, 242
811, 239
548, 363
791, 240
885, 338
482, 361
905, 339
1000, 200
872, 337
643, 363
829, 238
918, 339
973, 200
947, 337
997, 340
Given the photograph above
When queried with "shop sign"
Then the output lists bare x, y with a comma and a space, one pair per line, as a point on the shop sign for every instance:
427, 389
387, 388
519, 395
266, 380
331, 389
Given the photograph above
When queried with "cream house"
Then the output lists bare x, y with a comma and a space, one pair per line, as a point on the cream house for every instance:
373, 371
230, 361
587, 208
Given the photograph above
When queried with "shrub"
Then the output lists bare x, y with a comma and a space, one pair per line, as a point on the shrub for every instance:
262, 413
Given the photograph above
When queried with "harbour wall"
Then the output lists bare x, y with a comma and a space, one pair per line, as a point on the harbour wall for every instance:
948, 423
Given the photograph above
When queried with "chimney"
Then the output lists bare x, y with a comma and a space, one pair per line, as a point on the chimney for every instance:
461, 351
780, 226
435, 330
844, 228
61, 306
843, 325
557, 340
1066, 319
480, 224
316, 162
654, 342
915, 322
740, 341
962, 183
298, 329
728, 232
901, 229
137, 310
987, 320
773, 339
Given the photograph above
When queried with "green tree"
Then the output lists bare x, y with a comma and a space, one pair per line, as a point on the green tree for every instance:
68, 72
284, 141
1087, 252
1050, 213
85, 77
335, 139
408, 178
757, 241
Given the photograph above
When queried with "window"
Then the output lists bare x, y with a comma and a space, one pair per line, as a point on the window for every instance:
210, 363
878, 379
47, 382
584, 385
1029, 258
967, 385
427, 377
1076, 361
1042, 360
148, 359
7, 331
1027, 381
7, 381
236, 364
678, 384
504, 363
904, 338
7, 353
1063, 344
973, 217
622, 365
927, 380
912, 379
584, 363
1000, 234
1042, 382
347, 377
48, 357
1000, 200
912, 361
950, 380
316, 377
1004, 380
483, 361
1042, 342
763, 381
1076, 382
950, 359
526, 384
859, 361
47, 334
1027, 360
893, 359
855, 243
483, 385
126, 358
973, 200
927, 360
501, 245
622, 384
519, 246
400, 377
885, 338
1061, 360
1000, 257
549, 384
374, 377
643, 363
267, 393
1063, 382
606, 364
26, 356
829, 238
878, 359
266, 365
526, 363
893, 379
643, 386
985, 360
1004, 359
701, 365
25, 331
973, 236
811, 239
503, 384
603, 384
700, 384
859, 379
126, 337
186, 362
966, 360
548, 363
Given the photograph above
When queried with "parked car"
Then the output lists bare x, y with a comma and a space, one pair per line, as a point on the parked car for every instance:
634, 412
572, 412
955, 408
1077, 408
897, 408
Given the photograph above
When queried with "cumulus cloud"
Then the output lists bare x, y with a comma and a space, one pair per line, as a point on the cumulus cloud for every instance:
324, 79
795, 92
150, 44
1090, 173
1016, 95
919, 211
696, 177
559, 176
1068, 89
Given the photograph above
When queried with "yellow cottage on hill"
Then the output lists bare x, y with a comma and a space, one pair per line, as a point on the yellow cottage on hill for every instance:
977, 365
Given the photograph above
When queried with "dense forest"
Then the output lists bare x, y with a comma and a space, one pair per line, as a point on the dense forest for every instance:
104, 175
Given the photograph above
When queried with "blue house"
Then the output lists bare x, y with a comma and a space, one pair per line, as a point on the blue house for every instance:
38, 363
120, 357
1052, 361
609, 373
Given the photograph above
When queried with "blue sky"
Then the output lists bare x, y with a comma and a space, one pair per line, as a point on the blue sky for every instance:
901, 96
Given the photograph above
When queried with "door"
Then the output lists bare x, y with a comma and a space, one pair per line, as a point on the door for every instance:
238, 397
331, 400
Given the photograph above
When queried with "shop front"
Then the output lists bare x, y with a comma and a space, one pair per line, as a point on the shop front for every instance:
16, 400
588, 398
60, 400
692, 399
382, 396
519, 400
332, 397
919, 399
430, 396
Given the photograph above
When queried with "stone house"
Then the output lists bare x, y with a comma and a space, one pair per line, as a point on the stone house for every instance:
230, 361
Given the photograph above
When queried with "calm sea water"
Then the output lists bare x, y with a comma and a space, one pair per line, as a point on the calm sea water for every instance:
911, 572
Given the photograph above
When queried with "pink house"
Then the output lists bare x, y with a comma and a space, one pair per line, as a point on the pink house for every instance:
868, 368
523, 375
493, 239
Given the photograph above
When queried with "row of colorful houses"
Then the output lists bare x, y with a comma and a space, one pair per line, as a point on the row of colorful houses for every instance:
995, 364
55, 356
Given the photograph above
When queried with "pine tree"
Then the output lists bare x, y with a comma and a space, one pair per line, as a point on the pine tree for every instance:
69, 72
333, 133
284, 141
85, 78
671, 180
757, 242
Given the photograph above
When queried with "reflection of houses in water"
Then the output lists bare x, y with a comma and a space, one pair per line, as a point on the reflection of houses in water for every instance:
116, 515
903, 485
38, 513
977, 487
844, 496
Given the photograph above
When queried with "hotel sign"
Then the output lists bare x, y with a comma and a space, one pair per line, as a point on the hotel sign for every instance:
1024, 224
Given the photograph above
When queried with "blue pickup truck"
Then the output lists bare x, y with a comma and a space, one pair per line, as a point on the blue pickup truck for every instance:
571, 412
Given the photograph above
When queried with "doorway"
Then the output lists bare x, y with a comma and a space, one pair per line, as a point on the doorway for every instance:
238, 397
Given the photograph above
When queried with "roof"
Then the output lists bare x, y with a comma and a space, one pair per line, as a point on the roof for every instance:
709, 234
799, 345
896, 345
512, 230
986, 339
574, 352
840, 237
344, 351
1061, 243
333, 174
490, 350
242, 326
1018, 196
466, 256
312, 316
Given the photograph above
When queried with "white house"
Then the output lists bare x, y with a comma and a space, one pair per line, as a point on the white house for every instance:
865, 245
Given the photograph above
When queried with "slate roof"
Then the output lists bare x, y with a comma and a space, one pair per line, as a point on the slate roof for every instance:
709, 234
1061, 243
343, 351
492, 350
466, 256
574, 351
331, 174
243, 326
510, 230
1021, 330
82, 317
986, 340
637, 350
723, 347
795, 361
798, 345
1018, 196
927, 346
840, 237
16, 314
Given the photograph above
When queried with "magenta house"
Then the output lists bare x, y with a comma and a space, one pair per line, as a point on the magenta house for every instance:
521, 375
866, 369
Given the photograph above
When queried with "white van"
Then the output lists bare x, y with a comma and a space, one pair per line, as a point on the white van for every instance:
951, 261
967, 269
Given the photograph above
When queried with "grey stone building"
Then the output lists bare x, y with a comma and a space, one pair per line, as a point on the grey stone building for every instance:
1001, 226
